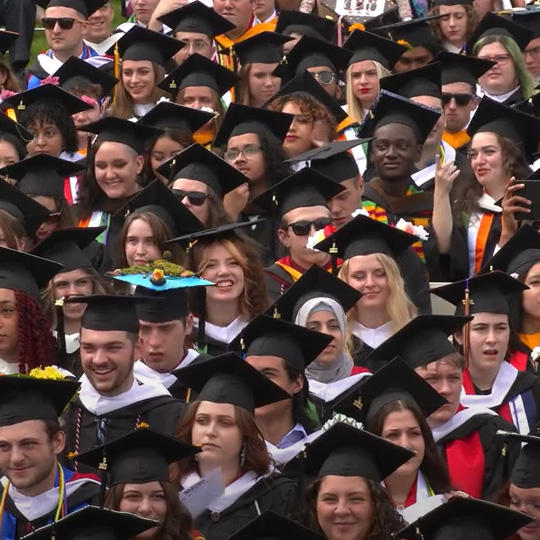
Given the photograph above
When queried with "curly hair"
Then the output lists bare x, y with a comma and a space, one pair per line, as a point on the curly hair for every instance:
46, 111
13, 230
19, 147
386, 520
472, 21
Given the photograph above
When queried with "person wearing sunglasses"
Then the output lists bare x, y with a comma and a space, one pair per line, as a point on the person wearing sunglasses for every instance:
531, 53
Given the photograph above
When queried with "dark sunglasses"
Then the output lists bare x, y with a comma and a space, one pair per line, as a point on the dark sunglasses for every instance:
325, 77
303, 227
461, 99
65, 23
195, 198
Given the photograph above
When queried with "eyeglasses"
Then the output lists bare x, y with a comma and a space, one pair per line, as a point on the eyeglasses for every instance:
53, 219
460, 99
195, 198
534, 52
248, 152
65, 23
325, 77
303, 227
499, 59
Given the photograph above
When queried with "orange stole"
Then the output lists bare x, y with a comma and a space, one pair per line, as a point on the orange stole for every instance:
481, 239
456, 140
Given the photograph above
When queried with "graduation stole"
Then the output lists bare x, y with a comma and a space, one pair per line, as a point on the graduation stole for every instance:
291, 268
481, 239
456, 140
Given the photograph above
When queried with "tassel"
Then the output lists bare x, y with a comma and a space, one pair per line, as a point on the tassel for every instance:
61, 349
201, 331
467, 302
116, 70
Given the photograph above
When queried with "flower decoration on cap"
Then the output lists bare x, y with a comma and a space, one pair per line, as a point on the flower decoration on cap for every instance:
49, 372
50, 80
404, 43
416, 230
356, 26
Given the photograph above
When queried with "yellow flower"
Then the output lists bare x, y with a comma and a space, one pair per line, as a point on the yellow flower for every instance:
142, 425
48, 372
405, 43
356, 26
71, 455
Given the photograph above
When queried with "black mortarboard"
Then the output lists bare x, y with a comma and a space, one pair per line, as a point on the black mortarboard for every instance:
304, 188
170, 115
271, 526
268, 336
526, 471
529, 18
388, 16
42, 174
421, 341
462, 68
156, 198
424, 81
196, 17
6, 40
30, 398
197, 70
393, 109
46, 93
94, 523
343, 450
139, 457
314, 283
487, 293
333, 160
242, 119
521, 128
413, 33
462, 518
229, 379
198, 163
492, 24
7, 125
76, 72
84, 7
306, 24
143, 44
368, 46
438, 3
66, 246
264, 48
165, 306
24, 272
114, 129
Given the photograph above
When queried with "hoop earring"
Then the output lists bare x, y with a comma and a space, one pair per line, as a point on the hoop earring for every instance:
243, 455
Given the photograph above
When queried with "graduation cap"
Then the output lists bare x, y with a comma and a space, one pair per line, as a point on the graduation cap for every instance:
197, 70
7, 39
41, 174
305, 24
113, 129
424, 81
7, 125
76, 72
393, 109
139, 457
268, 336
227, 378
314, 283
343, 450
84, 7
368, 46
197, 17
66, 246
462, 518
242, 119
30, 398
94, 523
165, 306
492, 24
526, 471
264, 48
167, 115
529, 18
421, 341
439, 3
413, 33
462, 68
388, 16
198, 163
143, 44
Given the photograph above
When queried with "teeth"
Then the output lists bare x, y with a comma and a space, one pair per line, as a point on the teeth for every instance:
224, 284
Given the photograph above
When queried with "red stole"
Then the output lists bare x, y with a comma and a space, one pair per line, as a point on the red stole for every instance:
519, 360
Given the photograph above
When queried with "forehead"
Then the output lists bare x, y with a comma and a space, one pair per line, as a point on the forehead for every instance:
428, 101
458, 88
447, 10
265, 361
485, 138
7, 295
308, 212
61, 11
194, 91
246, 138
211, 408
496, 47
22, 430
440, 367
394, 131
103, 337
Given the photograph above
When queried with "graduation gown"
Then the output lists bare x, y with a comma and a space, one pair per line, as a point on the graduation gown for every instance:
216, 339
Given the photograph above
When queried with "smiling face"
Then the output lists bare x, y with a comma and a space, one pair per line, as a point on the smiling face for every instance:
73, 283
487, 160
164, 149
527, 501
100, 24
138, 78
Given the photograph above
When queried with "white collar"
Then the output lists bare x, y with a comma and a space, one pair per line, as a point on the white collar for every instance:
140, 109
284, 455
457, 421
223, 334
330, 391
272, 16
428, 173
372, 336
144, 373
72, 341
102, 47
501, 97
8, 368
487, 202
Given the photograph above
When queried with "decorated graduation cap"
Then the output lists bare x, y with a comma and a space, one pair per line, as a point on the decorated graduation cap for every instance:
167, 115
368, 46
343, 450
165, 306
424, 81
305, 24
7, 39
268, 336
462, 518
264, 48
197, 17
413, 33
84, 7
227, 378
94, 523
197, 70
462, 68
526, 471
529, 18
76, 72
421, 341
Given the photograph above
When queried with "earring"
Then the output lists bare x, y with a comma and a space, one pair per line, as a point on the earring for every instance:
243, 455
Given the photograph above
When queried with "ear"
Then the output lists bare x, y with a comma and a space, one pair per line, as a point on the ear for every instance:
459, 337
419, 151
59, 442
189, 325
137, 350
298, 385
283, 236
139, 163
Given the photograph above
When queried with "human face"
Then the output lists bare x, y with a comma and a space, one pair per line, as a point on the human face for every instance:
73, 283
531, 297
531, 55
345, 203
434, 137
9, 327
141, 247
238, 12
196, 97
296, 245
453, 24
261, 83
28, 457
414, 58
487, 160
446, 377
143, 9
264, 8
202, 212
502, 77
253, 166
47, 139
116, 167
215, 430
365, 82
164, 149
345, 507
51, 223
327, 323
84, 118
65, 42
402, 428
394, 151
162, 344
107, 359
225, 272
299, 138
100, 24
457, 116
528, 502
367, 275
8, 154
332, 87
195, 43
138, 77
146, 501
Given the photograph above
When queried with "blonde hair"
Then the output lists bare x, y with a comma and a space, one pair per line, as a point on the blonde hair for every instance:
354, 107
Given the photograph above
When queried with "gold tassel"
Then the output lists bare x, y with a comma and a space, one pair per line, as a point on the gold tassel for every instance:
116, 69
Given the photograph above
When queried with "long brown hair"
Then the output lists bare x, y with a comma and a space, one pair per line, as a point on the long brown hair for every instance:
13, 230
472, 21
11, 83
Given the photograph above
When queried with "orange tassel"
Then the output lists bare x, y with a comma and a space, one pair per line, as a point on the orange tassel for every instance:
116, 69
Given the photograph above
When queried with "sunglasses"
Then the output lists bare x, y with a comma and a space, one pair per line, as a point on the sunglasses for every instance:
461, 99
325, 77
303, 227
65, 23
195, 198
52, 219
